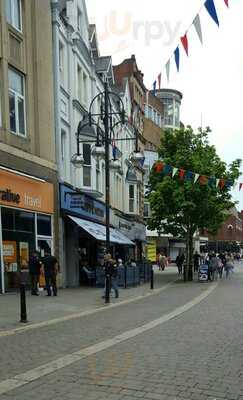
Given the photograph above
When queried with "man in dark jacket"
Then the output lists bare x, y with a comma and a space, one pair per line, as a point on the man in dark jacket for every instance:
34, 271
51, 269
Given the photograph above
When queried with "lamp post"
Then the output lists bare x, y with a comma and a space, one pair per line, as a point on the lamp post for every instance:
104, 138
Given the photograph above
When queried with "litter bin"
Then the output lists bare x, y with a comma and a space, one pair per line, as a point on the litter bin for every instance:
203, 273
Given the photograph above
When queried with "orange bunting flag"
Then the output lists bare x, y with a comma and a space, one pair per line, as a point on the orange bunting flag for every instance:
184, 42
159, 166
203, 180
222, 184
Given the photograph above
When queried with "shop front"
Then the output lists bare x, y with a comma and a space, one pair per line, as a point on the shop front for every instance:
26, 223
84, 235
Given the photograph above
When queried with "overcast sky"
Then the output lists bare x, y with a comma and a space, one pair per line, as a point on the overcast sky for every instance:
211, 78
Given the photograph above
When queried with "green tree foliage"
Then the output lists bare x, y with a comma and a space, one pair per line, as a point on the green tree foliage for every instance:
180, 207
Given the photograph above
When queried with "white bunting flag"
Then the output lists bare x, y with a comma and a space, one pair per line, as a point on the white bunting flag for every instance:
175, 170
217, 182
197, 25
168, 70
196, 178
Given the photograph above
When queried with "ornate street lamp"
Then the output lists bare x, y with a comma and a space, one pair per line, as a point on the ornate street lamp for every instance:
103, 142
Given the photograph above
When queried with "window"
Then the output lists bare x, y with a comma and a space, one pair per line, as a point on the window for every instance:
13, 13
85, 88
131, 198
63, 145
146, 210
87, 165
79, 20
97, 177
61, 62
44, 225
16, 102
79, 85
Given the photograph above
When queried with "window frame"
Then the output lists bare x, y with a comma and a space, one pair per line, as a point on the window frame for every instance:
11, 20
131, 199
17, 96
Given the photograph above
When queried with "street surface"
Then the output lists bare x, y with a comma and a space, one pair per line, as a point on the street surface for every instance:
183, 342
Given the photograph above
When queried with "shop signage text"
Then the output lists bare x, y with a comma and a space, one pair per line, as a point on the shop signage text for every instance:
9, 196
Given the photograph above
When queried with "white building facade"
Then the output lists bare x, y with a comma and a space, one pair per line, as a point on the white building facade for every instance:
79, 73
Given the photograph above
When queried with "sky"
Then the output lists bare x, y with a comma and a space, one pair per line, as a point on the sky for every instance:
211, 78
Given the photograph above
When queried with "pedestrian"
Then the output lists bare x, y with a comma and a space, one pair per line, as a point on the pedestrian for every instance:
163, 262
179, 262
220, 268
34, 271
229, 265
196, 261
111, 271
213, 267
50, 269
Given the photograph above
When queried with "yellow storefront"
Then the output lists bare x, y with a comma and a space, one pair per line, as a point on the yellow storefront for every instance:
26, 223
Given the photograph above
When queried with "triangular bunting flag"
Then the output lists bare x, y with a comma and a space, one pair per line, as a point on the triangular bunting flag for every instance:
212, 182
159, 166
226, 2
182, 173
154, 88
175, 170
196, 178
184, 42
167, 67
210, 7
217, 182
221, 183
189, 176
168, 169
229, 183
177, 58
159, 81
240, 186
197, 25
203, 180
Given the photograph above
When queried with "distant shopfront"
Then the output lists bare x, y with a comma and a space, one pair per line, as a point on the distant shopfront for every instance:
84, 233
26, 223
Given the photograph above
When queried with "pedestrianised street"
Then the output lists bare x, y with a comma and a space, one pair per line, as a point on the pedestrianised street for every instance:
184, 341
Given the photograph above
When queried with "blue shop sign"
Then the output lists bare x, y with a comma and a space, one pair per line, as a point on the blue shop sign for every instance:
81, 205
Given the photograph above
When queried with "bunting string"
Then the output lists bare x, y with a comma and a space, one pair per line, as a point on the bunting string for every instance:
209, 6
189, 176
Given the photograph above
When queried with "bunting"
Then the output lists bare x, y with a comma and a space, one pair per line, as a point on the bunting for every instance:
240, 186
197, 25
167, 67
184, 42
177, 58
159, 81
210, 7
183, 175
226, 2
154, 88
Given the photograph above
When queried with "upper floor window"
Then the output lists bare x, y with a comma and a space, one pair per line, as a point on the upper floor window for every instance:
61, 62
16, 102
13, 13
85, 88
131, 199
87, 165
79, 85
79, 20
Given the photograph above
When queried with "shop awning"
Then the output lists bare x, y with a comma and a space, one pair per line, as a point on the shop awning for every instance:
99, 232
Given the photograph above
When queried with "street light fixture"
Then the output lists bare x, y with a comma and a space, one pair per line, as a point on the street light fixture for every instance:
103, 142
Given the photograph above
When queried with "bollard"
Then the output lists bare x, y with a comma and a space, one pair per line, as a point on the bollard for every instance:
152, 278
107, 288
23, 312
125, 276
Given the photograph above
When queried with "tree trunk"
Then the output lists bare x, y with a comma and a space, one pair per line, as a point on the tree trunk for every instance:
188, 271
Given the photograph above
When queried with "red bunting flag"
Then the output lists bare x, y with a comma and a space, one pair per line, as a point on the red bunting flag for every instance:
184, 42
203, 180
159, 80
226, 2
241, 186
159, 166
182, 173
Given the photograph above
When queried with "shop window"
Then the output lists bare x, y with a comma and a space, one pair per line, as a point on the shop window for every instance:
7, 219
87, 165
44, 225
16, 102
13, 13
24, 221
131, 198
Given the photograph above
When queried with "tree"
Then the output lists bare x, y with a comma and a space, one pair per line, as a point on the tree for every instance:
181, 207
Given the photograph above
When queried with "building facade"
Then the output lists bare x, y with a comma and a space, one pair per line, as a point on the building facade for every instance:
80, 72
28, 171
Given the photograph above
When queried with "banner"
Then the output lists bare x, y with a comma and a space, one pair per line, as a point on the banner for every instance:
197, 25
177, 58
210, 7
184, 42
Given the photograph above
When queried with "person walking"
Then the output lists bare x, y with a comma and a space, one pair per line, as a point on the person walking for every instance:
179, 262
163, 262
213, 267
50, 269
34, 271
229, 265
111, 271
196, 261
